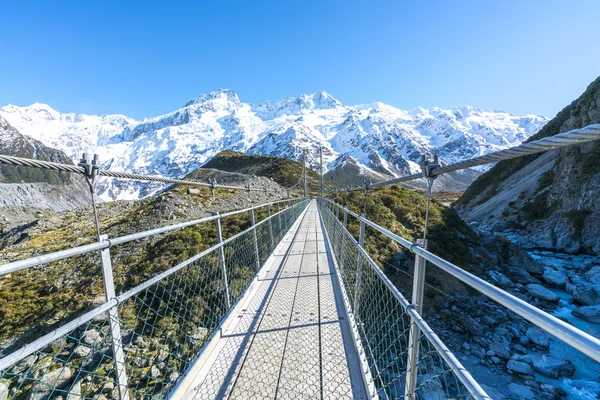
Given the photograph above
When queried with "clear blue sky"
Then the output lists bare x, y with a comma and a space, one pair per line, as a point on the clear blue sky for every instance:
147, 58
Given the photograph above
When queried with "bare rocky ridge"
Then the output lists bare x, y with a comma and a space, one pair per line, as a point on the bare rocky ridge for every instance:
547, 201
24, 191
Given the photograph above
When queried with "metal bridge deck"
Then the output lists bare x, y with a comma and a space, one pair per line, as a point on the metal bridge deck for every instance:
289, 337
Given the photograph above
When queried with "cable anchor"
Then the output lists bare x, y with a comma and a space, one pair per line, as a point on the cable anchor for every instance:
91, 167
427, 166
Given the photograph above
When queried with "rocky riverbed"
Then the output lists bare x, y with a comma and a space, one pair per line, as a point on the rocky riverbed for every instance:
512, 358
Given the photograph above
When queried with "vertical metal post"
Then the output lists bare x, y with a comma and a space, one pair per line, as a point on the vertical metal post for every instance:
270, 224
280, 230
288, 198
337, 213
345, 217
321, 181
361, 242
415, 333
253, 221
114, 323
222, 261
305, 175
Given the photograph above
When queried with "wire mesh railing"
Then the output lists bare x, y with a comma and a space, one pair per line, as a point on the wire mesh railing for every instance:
383, 320
139, 343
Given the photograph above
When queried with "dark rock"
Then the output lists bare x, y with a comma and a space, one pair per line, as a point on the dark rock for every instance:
542, 293
520, 367
587, 294
555, 278
501, 349
538, 337
589, 313
553, 367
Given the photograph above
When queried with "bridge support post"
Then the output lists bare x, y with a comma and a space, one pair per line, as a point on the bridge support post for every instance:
222, 262
415, 333
361, 242
114, 323
346, 217
253, 221
270, 225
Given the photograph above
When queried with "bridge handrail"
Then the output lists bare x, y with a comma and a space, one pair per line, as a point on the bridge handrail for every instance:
8, 268
576, 338
115, 300
461, 372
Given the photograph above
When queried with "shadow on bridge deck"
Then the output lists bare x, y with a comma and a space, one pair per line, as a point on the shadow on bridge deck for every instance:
288, 337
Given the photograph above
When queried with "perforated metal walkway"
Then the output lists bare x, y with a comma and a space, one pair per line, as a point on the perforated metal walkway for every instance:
289, 337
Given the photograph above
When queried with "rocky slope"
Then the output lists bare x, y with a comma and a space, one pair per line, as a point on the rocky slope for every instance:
25, 191
380, 138
547, 201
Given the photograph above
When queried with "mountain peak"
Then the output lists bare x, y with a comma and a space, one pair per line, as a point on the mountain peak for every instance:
227, 95
319, 100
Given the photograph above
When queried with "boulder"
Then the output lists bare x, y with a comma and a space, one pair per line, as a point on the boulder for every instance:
538, 337
521, 391
520, 367
154, 372
589, 313
24, 364
81, 351
540, 292
197, 336
587, 294
91, 337
193, 191
555, 278
75, 391
52, 379
553, 367
3, 390
473, 326
501, 350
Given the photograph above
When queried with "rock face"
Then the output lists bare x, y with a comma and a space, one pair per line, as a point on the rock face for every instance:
547, 200
23, 186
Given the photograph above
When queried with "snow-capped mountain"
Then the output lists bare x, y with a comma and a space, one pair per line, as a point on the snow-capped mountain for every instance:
377, 137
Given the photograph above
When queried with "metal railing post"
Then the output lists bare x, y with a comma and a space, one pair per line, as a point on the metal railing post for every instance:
222, 262
279, 232
253, 221
412, 368
270, 224
361, 243
346, 217
114, 322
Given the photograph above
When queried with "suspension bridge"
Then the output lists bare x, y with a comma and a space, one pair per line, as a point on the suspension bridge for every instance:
293, 306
